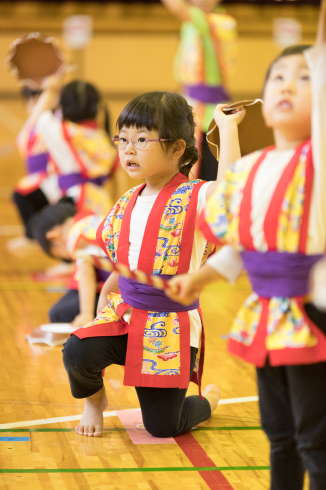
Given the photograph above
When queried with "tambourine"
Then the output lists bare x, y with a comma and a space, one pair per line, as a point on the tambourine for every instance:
253, 132
34, 57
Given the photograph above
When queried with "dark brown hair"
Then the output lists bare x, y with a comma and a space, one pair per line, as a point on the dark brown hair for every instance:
290, 51
169, 114
79, 101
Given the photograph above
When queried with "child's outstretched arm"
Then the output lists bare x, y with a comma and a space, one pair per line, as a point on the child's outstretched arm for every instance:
110, 285
316, 59
224, 265
229, 150
87, 294
321, 34
179, 8
49, 98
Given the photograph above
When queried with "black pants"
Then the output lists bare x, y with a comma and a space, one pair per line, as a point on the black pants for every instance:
67, 308
28, 205
292, 402
166, 412
209, 164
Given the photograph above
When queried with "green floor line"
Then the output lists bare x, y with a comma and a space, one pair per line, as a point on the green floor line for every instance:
122, 429
229, 428
134, 470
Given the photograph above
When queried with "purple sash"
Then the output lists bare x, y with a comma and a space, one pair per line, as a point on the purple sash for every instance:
149, 298
69, 180
279, 274
102, 275
37, 163
207, 94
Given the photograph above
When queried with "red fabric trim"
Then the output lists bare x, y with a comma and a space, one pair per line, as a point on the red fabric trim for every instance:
30, 142
67, 137
82, 214
112, 329
245, 207
134, 356
123, 245
274, 209
198, 378
206, 231
99, 237
157, 381
24, 191
89, 123
301, 355
72, 283
147, 253
184, 322
78, 217
80, 203
122, 308
307, 203
256, 353
188, 232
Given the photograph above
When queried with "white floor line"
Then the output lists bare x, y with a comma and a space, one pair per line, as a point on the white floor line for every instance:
229, 401
70, 418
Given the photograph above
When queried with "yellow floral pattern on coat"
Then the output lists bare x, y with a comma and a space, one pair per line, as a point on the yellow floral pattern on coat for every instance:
85, 230
161, 341
95, 198
93, 148
287, 326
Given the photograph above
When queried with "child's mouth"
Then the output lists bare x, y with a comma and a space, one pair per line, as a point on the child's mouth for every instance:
284, 104
132, 164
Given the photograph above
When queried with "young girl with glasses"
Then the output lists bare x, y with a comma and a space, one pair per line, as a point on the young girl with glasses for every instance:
271, 207
152, 229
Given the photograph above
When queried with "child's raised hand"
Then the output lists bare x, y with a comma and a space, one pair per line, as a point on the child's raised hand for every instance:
321, 34
53, 82
82, 319
318, 284
224, 120
184, 289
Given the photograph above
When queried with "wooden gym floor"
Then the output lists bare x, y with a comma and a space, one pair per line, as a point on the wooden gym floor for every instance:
38, 446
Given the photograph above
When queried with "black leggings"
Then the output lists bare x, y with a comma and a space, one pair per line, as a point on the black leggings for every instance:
292, 401
67, 308
28, 205
166, 412
209, 164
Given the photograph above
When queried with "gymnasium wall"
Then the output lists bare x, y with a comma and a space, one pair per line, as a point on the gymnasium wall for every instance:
133, 46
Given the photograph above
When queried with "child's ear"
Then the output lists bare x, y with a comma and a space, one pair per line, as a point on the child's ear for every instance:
53, 233
178, 149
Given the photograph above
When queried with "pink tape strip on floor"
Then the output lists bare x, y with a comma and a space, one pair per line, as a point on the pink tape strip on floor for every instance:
133, 423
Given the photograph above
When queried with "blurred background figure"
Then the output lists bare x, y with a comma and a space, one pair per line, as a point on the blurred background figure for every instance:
204, 60
38, 187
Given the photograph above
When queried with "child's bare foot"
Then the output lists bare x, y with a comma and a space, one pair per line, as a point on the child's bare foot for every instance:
91, 423
212, 393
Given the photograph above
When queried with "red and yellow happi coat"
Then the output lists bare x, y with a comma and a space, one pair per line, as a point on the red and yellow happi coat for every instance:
34, 152
81, 236
273, 325
158, 352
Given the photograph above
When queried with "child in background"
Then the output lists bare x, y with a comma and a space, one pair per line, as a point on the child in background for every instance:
203, 65
271, 208
38, 188
64, 233
151, 228
81, 152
